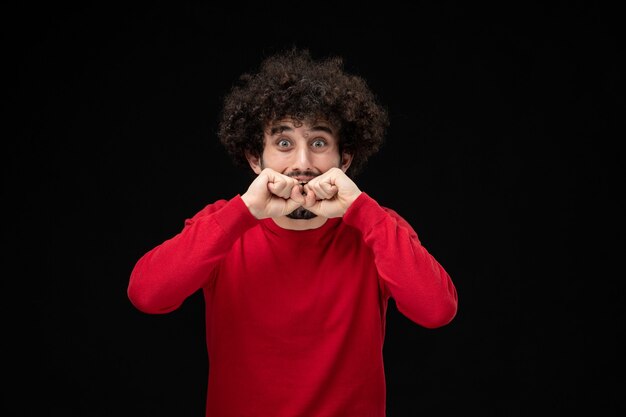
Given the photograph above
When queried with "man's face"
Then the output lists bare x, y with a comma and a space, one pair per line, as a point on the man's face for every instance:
302, 152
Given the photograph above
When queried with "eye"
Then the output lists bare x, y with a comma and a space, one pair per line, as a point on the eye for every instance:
283, 143
318, 143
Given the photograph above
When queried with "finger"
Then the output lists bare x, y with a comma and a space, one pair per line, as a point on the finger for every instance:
292, 204
296, 194
282, 186
327, 190
323, 190
277, 183
276, 188
309, 198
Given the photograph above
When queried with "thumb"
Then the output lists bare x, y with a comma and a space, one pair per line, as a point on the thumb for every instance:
296, 194
291, 205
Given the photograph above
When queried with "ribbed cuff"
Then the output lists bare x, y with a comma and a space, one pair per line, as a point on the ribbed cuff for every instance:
235, 218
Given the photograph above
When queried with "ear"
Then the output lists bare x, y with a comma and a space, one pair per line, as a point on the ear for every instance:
346, 160
255, 163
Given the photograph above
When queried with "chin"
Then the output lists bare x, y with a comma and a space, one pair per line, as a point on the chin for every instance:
301, 214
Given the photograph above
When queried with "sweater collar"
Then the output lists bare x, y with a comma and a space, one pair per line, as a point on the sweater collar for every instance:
329, 225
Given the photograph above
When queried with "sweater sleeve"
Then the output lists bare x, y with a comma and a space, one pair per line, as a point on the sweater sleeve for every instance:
169, 273
422, 289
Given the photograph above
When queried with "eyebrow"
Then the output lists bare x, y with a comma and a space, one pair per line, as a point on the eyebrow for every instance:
286, 128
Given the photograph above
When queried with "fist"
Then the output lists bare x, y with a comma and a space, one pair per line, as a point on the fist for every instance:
330, 194
273, 194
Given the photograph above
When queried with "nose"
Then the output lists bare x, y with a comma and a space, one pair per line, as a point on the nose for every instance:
303, 159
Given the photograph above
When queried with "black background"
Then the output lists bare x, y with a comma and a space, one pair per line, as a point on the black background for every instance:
503, 153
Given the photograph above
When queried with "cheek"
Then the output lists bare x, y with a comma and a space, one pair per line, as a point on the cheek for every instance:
326, 162
275, 160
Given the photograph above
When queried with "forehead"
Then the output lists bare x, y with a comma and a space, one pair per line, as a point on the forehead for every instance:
287, 124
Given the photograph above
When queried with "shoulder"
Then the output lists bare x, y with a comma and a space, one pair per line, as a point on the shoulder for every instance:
399, 220
393, 213
209, 209
390, 211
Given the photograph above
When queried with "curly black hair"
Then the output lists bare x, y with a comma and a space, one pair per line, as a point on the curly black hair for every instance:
292, 84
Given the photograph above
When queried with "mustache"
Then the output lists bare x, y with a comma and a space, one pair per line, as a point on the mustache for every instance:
307, 173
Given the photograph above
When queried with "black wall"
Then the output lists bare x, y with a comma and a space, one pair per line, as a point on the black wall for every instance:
502, 153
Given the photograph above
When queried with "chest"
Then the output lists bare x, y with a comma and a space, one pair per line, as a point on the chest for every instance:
297, 285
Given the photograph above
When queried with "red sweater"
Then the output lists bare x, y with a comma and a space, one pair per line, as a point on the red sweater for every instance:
295, 320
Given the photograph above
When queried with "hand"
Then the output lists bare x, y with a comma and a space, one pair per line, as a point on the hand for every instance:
272, 194
330, 194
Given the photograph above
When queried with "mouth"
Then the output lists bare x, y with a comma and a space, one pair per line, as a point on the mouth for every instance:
303, 180
302, 183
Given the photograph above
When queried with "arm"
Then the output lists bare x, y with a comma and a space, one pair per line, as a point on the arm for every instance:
421, 288
169, 273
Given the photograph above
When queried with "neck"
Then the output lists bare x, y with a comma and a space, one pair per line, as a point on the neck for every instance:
299, 224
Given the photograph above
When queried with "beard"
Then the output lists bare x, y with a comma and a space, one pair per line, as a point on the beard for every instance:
301, 214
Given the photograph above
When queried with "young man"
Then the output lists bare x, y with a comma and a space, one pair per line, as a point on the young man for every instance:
298, 270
